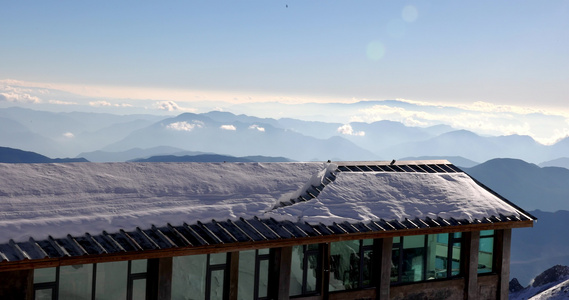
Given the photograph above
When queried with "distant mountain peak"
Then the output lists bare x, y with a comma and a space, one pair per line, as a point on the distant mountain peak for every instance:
551, 275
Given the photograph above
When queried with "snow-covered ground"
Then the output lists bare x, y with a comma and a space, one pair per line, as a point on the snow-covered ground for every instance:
37, 200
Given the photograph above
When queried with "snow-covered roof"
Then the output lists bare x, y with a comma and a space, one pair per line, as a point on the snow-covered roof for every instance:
58, 201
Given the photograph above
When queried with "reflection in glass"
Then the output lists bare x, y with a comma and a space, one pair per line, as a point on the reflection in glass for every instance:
246, 281
75, 282
188, 277
311, 271
344, 265
485, 254
413, 258
296, 271
263, 277
216, 291
111, 280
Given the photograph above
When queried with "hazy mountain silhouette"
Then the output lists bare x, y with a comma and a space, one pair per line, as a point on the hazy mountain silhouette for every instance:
11, 155
198, 132
562, 162
544, 245
68, 134
135, 153
211, 158
458, 161
472, 146
528, 185
14, 134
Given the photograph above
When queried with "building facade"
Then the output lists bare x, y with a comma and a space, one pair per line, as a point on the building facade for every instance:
352, 230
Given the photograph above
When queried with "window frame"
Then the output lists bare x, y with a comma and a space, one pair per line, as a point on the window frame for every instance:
493, 264
54, 285
452, 239
306, 253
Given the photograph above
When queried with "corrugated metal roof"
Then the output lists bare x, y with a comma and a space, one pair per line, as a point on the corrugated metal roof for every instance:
216, 232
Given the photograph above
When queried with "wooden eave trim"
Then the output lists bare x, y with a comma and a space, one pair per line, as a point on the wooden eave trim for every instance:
250, 245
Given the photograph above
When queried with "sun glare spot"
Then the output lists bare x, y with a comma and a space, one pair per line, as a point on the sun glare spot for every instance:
375, 50
409, 13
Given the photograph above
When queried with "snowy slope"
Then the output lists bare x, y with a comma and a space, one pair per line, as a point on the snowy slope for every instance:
552, 283
557, 292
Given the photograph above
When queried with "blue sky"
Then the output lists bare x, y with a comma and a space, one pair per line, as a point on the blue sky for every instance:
437, 52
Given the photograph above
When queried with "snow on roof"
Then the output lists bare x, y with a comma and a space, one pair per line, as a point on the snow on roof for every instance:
368, 196
38, 200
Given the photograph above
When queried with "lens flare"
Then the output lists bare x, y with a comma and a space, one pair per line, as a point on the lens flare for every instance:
409, 13
375, 50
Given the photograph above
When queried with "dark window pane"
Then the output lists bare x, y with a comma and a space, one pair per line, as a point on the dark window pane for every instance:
367, 268
43, 294
139, 289
138, 266
217, 258
395, 257
44, 275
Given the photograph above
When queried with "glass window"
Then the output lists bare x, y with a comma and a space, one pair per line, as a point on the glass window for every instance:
263, 278
138, 266
76, 282
139, 289
217, 258
44, 275
44, 294
304, 273
486, 251
425, 257
350, 264
217, 284
246, 281
413, 258
253, 274
112, 279
189, 276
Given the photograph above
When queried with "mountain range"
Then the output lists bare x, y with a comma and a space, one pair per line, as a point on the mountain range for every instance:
107, 137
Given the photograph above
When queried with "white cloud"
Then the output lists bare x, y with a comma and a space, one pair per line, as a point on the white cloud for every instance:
59, 102
103, 103
348, 130
167, 105
19, 98
100, 103
185, 126
259, 128
228, 127
69, 135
